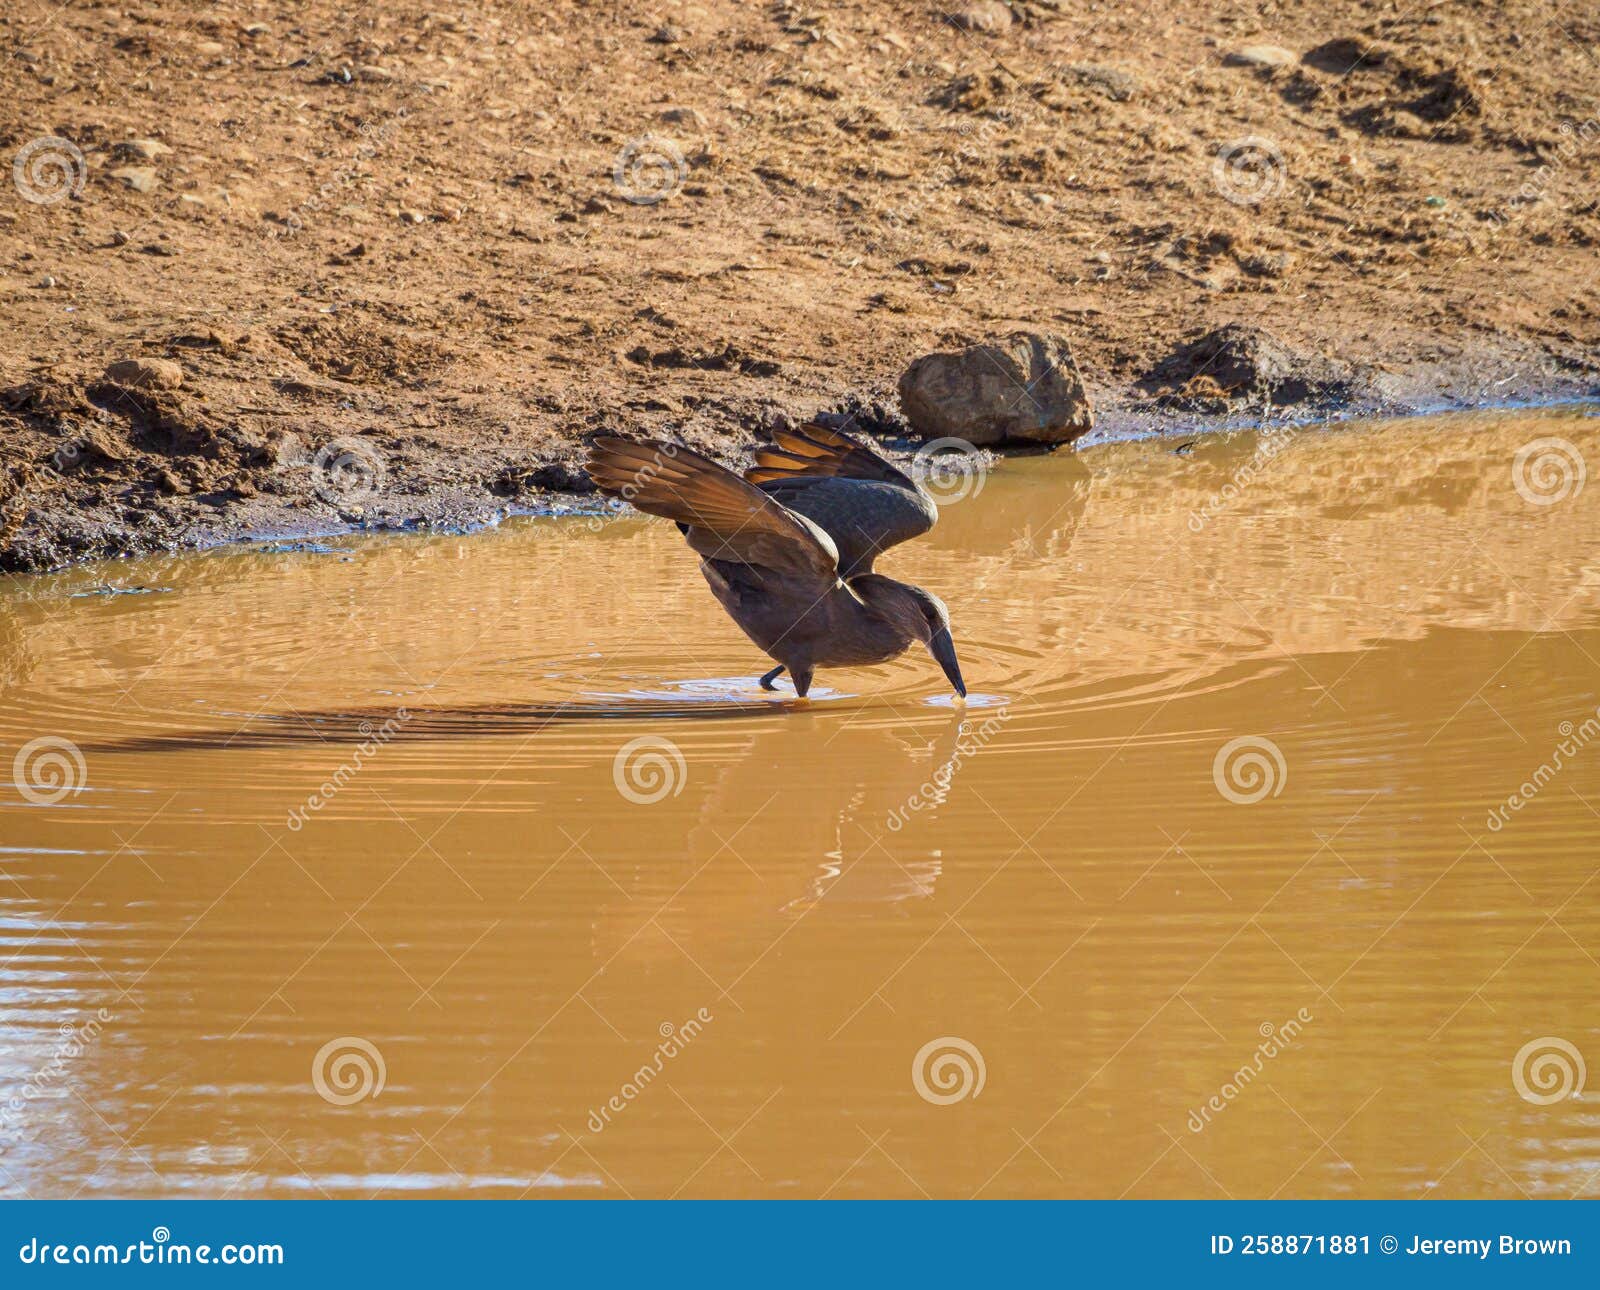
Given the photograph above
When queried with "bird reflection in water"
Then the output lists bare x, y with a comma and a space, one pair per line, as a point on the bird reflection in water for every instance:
871, 803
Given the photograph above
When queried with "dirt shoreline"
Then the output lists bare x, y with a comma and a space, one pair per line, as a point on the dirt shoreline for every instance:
91, 538
437, 252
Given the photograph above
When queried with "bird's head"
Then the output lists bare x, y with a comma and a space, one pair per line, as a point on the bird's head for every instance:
919, 614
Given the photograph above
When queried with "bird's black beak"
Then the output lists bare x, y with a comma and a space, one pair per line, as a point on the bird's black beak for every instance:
943, 650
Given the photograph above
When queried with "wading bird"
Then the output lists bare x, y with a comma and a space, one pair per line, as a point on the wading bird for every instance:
788, 548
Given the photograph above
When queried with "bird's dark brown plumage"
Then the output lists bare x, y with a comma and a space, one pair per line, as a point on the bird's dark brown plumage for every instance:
788, 548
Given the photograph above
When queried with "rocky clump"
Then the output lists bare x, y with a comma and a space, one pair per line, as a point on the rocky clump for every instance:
1207, 372
142, 150
1024, 389
985, 15
1432, 92
727, 358
145, 373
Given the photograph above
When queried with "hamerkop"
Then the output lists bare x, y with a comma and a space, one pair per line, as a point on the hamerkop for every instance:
788, 548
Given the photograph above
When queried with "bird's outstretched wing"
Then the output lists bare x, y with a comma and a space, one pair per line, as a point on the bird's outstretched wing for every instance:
863, 502
724, 517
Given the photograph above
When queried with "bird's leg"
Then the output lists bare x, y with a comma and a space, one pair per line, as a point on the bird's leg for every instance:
802, 679
770, 677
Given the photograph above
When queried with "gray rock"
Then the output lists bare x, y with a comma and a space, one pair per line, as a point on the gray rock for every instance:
1261, 56
684, 116
1024, 389
137, 178
143, 149
1115, 83
145, 373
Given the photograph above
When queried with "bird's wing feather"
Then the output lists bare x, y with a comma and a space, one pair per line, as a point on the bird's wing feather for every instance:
724, 517
863, 502
863, 517
814, 451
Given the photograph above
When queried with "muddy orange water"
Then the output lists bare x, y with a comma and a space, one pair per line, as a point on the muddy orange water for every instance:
1262, 864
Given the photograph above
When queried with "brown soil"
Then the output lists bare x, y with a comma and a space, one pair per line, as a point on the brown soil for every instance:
405, 238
